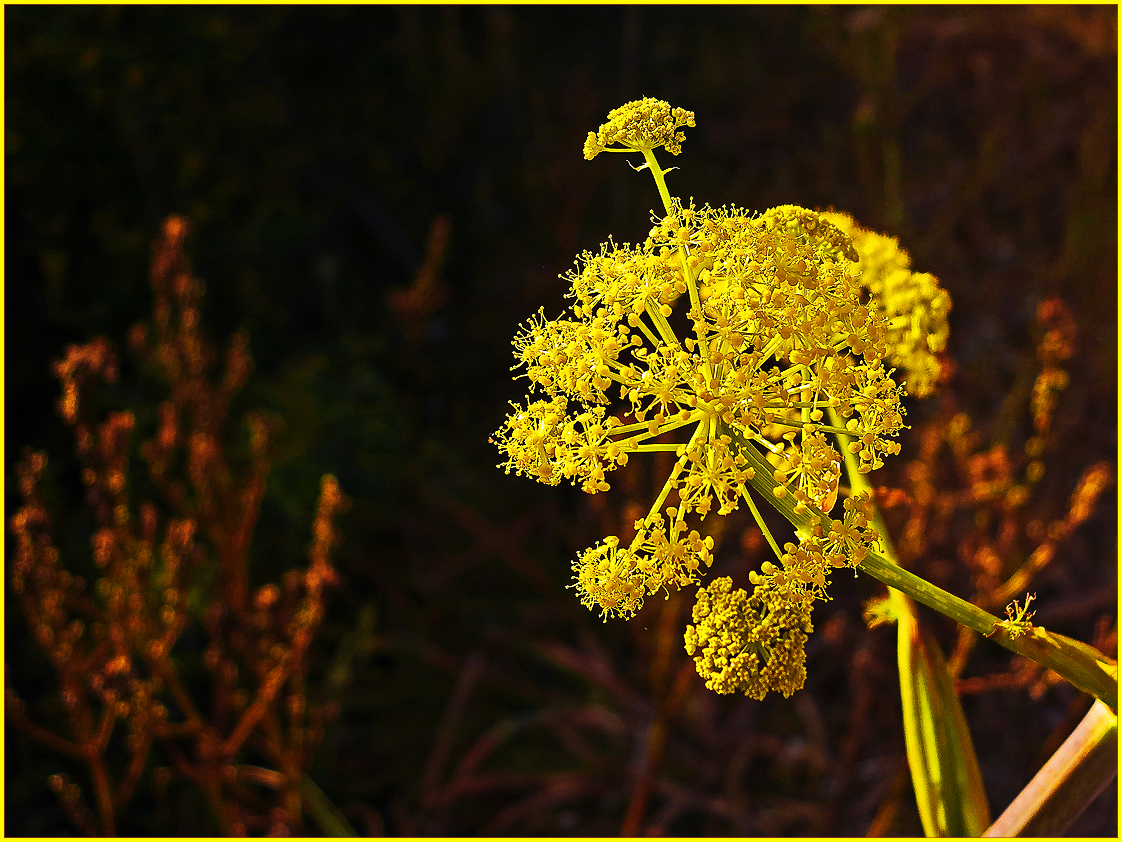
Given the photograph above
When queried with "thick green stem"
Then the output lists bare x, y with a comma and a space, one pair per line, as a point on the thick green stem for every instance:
1078, 663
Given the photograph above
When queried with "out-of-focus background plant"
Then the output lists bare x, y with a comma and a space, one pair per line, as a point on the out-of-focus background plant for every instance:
377, 197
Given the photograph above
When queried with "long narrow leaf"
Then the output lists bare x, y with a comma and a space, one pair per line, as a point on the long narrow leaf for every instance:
945, 774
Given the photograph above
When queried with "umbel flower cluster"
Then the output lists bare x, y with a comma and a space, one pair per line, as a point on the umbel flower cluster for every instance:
744, 343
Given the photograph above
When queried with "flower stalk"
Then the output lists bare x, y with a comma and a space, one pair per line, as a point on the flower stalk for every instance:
801, 326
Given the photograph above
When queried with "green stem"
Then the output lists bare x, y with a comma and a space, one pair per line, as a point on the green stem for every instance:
670, 482
691, 283
661, 325
1078, 663
659, 177
763, 526
1067, 784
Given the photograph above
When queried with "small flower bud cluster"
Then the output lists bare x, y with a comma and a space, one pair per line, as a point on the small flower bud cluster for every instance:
645, 124
1018, 621
749, 644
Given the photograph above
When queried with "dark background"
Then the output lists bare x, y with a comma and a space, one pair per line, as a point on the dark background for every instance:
313, 149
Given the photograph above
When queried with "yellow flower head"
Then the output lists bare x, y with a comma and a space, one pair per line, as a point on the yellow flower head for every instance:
777, 337
736, 341
645, 124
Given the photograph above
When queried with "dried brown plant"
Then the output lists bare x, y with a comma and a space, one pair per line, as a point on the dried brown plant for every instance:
978, 501
245, 736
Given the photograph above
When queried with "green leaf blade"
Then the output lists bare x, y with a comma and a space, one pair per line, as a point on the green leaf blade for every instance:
945, 774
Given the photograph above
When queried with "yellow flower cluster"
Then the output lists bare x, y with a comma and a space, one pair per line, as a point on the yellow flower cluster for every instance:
913, 304
1018, 620
617, 578
724, 338
644, 124
777, 335
846, 542
548, 445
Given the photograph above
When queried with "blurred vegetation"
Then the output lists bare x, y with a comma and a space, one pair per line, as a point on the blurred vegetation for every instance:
379, 195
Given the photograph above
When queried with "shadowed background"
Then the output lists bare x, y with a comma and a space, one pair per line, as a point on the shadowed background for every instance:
379, 195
